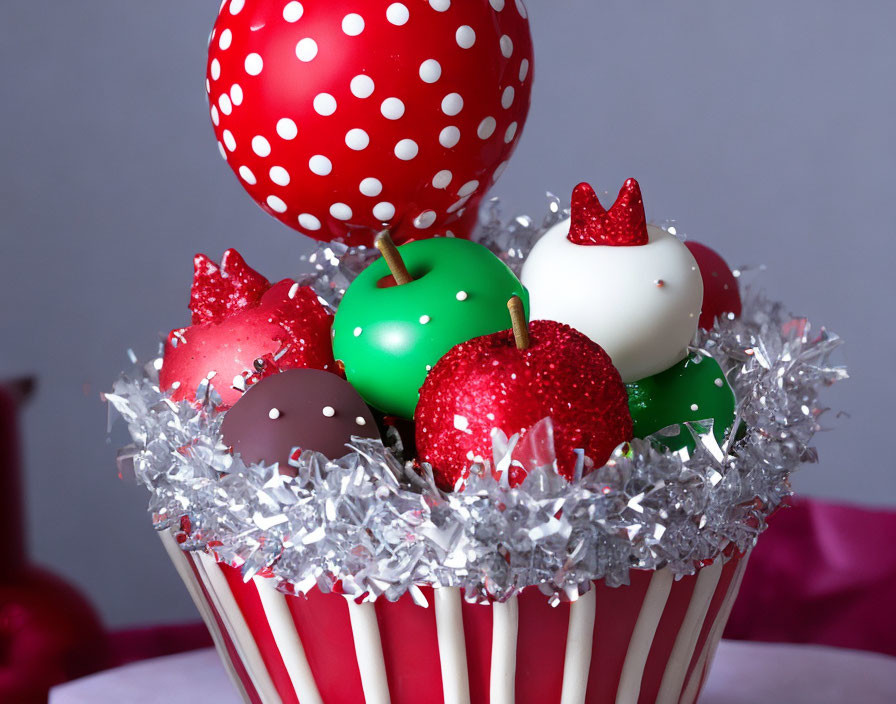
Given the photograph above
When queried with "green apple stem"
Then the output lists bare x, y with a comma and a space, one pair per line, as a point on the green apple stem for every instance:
393, 259
518, 319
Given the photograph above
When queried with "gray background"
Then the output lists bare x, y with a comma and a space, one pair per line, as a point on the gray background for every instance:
764, 127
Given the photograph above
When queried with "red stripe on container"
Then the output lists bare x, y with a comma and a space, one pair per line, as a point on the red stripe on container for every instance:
541, 648
478, 639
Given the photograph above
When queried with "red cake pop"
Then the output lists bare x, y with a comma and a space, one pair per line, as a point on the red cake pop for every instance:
721, 294
340, 118
244, 328
488, 383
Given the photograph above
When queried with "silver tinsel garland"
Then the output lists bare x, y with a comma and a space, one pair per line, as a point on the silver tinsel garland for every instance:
377, 527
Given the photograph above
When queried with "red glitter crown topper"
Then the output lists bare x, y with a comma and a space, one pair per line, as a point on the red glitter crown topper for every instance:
623, 225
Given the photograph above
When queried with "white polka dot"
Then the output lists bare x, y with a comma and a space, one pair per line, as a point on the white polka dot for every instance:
371, 187
461, 295
392, 108
507, 97
276, 204
279, 175
324, 104
458, 205
216, 118
254, 64
425, 219
353, 24
425, 320
502, 167
341, 211
293, 11
361, 420
449, 137
695, 407
306, 49
225, 40
362, 86
465, 36
229, 140
486, 128
287, 128
215, 69
357, 139
442, 179
510, 133
524, 70
452, 104
309, 222
261, 146
208, 86
357, 332
236, 6
397, 14
430, 71
497, 5
236, 94
274, 413
468, 188
384, 211
320, 165
506, 46
248, 176
222, 152
521, 8
440, 5
329, 411
406, 149
225, 104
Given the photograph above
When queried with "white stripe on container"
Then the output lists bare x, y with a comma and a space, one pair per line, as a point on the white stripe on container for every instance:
505, 626
286, 636
369, 651
579, 640
452, 646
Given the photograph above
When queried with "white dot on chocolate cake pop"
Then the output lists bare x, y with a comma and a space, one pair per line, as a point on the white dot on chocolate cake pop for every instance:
229, 139
215, 69
397, 14
306, 49
353, 24
424, 319
406, 149
452, 104
286, 128
449, 137
341, 211
440, 5
442, 179
293, 11
384, 211
274, 413
465, 36
276, 204
357, 332
329, 411
461, 295
360, 420
486, 128
324, 104
425, 219
371, 187
254, 64
695, 407
320, 165
362, 86
430, 71
309, 222
261, 146
468, 188
510, 133
357, 139
279, 175
236, 94
225, 104
506, 46
392, 109
225, 39
507, 97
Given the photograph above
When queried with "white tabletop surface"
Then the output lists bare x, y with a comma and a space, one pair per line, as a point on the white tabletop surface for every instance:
744, 673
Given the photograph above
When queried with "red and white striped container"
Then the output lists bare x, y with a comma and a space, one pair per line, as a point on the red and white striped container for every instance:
652, 641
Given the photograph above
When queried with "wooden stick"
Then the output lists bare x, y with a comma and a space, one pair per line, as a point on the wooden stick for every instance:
518, 318
393, 259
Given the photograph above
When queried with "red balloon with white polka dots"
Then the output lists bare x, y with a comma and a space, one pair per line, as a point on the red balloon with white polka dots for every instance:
345, 117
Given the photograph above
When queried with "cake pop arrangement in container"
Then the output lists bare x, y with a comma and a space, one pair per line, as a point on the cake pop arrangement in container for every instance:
525, 464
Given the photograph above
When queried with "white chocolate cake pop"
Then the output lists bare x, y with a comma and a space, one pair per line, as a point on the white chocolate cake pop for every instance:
631, 287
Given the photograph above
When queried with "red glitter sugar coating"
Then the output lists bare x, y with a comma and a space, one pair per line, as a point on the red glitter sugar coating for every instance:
488, 383
243, 326
623, 225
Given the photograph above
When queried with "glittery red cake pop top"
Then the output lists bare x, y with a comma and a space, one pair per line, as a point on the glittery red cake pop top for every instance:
721, 293
487, 383
623, 225
243, 328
